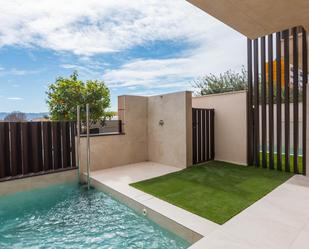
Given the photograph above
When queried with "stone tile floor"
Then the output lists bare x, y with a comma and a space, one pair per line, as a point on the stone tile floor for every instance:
280, 220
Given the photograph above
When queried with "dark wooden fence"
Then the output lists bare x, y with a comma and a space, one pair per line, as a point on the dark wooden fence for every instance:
32, 148
271, 144
203, 135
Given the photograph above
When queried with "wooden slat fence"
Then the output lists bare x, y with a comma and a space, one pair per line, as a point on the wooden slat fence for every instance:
203, 135
31, 148
277, 79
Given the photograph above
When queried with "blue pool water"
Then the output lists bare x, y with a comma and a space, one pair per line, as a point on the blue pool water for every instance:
67, 216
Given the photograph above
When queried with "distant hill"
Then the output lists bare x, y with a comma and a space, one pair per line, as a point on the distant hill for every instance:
30, 115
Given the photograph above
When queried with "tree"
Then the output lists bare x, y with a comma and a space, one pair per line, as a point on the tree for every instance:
111, 114
226, 82
16, 117
65, 94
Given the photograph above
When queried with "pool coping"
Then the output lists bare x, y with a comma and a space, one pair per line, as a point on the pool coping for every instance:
177, 220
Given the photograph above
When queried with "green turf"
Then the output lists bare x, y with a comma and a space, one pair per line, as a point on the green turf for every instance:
300, 162
215, 190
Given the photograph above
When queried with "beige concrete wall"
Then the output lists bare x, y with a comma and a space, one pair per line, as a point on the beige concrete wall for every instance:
230, 124
300, 128
116, 150
300, 51
144, 139
307, 135
189, 129
170, 143
35, 182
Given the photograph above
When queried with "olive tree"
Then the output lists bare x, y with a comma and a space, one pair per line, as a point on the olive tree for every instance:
225, 82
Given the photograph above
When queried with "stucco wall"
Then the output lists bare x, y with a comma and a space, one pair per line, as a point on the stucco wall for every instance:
131, 147
230, 124
307, 135
144, 139
170, 143
300, 128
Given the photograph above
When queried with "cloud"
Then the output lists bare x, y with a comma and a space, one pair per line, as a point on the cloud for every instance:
95, 26
225, 50
15, 98
17, 72
69, 66
86, 69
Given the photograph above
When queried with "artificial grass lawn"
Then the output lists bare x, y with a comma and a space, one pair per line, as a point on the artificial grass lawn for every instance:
215, 190
300, 162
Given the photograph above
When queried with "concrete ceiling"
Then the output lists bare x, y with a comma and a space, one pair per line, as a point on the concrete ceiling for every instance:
255, 18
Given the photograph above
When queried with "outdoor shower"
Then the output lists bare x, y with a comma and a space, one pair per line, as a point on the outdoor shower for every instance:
78, 126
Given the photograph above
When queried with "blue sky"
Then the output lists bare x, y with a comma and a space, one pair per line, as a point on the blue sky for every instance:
137, 47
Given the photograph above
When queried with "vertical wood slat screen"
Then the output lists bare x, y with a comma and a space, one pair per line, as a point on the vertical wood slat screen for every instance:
270, 57
263, 100
279, 101
274, 82
305, 82
29, 148
295, 97
203, 139
286, 98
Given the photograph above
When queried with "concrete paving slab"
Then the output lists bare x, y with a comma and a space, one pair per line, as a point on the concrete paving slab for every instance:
277, 221
302, 239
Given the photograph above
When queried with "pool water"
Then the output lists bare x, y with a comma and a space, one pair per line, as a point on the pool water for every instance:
68, 216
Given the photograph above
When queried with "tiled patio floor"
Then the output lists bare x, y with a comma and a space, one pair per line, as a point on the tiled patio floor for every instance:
119, 179
280, 220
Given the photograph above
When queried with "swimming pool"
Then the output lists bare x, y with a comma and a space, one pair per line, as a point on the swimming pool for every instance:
68, 216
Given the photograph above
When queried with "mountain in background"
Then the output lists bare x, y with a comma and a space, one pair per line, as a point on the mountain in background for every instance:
30, 115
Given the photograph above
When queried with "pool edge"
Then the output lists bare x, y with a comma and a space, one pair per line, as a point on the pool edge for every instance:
160, 219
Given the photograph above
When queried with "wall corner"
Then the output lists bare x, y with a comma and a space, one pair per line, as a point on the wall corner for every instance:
188, 96
307, 133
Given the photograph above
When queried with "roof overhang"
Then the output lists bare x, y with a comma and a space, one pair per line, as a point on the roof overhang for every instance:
256, 18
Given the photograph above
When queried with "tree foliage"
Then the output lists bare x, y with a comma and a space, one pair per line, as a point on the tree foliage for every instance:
16, 117
226, 82
65, 94
111, 114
